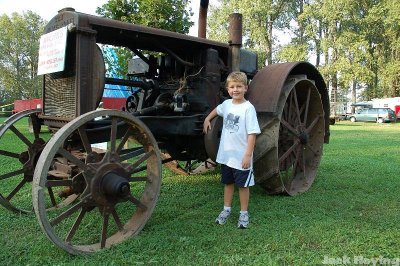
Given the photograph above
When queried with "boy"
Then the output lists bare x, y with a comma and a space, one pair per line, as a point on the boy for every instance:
235, 153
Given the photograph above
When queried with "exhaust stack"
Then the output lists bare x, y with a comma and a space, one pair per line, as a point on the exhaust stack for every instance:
201, 33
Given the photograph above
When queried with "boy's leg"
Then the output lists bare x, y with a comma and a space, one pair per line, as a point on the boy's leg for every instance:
244, 195
227, 179
228, 194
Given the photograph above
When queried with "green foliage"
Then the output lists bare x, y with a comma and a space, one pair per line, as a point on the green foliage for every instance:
172, 15
19, 46
355, 44
352, 209
259, 19
293, 52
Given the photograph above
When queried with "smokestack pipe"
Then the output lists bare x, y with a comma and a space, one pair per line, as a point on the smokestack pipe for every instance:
201, 33
235, 40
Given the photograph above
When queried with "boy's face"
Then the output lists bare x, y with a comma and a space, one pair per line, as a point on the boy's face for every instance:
236, 90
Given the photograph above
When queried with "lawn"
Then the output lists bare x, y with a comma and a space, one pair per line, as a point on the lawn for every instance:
350, 215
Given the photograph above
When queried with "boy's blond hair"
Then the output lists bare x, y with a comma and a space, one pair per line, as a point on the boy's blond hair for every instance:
236, 77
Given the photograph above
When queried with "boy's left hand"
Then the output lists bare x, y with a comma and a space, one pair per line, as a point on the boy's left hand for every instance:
246, 161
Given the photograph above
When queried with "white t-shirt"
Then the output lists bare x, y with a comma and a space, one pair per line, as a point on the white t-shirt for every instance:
240, 120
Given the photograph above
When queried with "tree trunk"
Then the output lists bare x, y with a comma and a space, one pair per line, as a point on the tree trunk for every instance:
354, 96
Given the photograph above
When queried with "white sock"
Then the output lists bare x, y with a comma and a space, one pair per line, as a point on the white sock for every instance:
228, 209
243, 212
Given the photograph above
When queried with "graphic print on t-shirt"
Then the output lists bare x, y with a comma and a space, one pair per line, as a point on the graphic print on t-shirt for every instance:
231, 123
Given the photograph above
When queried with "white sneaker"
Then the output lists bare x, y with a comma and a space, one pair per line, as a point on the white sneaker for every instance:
222, 217
243, 222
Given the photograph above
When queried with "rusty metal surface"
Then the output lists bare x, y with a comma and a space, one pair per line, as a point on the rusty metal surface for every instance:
235, 40
289, 149
235, 29
266, 87
121, 184
132, 35
202, 22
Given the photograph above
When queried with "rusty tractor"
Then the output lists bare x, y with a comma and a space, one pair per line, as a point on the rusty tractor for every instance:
87, 197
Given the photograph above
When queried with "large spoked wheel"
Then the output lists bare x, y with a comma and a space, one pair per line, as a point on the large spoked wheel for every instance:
19, 151
117, 187
292, 140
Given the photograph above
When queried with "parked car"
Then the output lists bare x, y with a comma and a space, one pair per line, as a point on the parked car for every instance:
379, 115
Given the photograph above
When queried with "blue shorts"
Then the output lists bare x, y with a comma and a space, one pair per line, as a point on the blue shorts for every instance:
242, 178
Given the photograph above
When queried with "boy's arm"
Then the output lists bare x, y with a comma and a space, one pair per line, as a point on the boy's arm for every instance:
207, 121
251, 141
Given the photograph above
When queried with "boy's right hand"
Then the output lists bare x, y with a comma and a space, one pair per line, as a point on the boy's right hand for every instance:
206, 126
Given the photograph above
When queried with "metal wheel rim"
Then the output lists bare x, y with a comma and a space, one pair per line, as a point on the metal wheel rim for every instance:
125, 226
301, 138
22, 162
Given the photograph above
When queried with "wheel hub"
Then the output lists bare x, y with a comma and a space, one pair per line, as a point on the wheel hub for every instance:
302, 134
115, 186
29, 158
304, 138
109, 183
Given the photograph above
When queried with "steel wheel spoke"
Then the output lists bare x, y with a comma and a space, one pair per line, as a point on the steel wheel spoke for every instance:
72, 158
9, 154
131, 154
288, 126
52, 198
117, 220
75, 226
35, 125
59, 183
113, 134
297, 109
311, 126
287, 153
293, 109
20, 136
11, 174
307, 104
85, 139
133, 166
296, 159
68, 212
124, 140
137, 202
104, 229
290, 108
300, 158
16, 189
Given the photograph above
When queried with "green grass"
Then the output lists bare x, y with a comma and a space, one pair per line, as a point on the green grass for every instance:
352, 209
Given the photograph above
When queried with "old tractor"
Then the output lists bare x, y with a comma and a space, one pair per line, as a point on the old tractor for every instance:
88, 198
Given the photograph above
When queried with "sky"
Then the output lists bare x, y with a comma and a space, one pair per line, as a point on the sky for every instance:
49, 8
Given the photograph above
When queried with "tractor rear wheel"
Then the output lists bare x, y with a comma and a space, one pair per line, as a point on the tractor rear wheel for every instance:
289, 149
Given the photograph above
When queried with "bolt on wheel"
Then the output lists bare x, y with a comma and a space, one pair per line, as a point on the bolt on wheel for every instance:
117, 186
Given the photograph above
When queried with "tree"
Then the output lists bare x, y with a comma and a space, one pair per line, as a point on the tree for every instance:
172, 15
299, 47
19, 46
389, 49
260, 19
